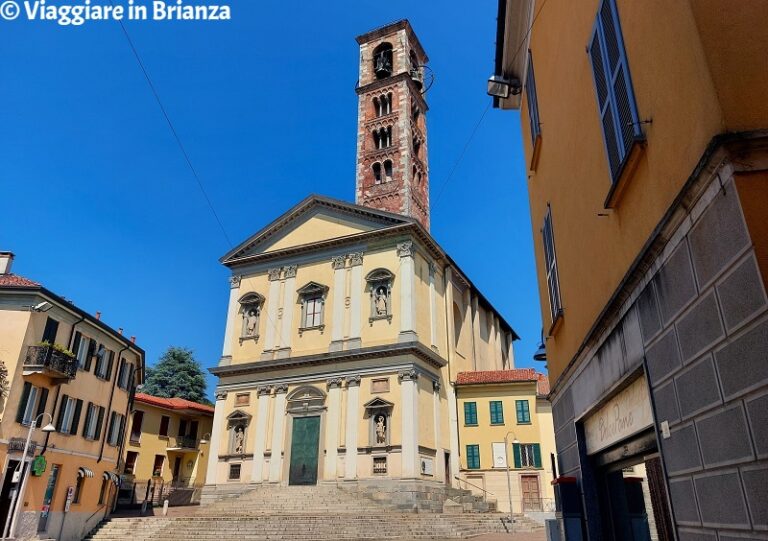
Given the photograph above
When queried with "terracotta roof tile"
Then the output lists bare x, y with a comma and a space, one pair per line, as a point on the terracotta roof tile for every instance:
14, 280
173, 403
505, 376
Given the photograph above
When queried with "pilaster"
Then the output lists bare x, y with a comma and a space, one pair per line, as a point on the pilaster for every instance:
234, 292
278, 429
213, 448
353, 399
337, 323
262, 410
273, 306
287, 308
405, 251
355, 304
409, 398
332, 421
432, 307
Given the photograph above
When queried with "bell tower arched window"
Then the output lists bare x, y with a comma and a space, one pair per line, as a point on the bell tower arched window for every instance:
388, 171
382, 60
376, 167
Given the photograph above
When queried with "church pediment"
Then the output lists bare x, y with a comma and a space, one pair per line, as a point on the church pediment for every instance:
313, 220
378, 403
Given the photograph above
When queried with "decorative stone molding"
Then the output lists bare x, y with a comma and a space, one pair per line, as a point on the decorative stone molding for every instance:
263, 389
353, 381
405, 249
338, 261
234, 281
408, 375
273, 274
436, 386
290, 271
221, 395
281, 388
432, 268
356, 258
334, 383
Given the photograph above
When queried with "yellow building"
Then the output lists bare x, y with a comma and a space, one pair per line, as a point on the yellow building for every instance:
168, 440
644, 126
347, 323
64, 367
506, 436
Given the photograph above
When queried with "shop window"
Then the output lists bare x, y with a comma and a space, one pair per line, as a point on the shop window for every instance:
470, 413
497, 412
473, 457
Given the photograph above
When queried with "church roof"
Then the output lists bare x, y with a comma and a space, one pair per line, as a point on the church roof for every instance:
387, 223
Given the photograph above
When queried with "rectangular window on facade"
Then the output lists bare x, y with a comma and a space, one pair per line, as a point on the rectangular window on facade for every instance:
32, 403
130, 462
314, 312
527, 455
473, 457
234, 472
103, 490
116, 426
69, 415
50, 331
497, 412
157, 467
164, 422
105, 359
242, 399
533, 102
613, 86
523, 411
550, 262
138, 420
470, 413
124, 375
380, 385
78, 489
91, 420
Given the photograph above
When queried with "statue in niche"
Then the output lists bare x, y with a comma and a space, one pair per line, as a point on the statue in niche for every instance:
251, 322
380, 302
239, 440
381, 430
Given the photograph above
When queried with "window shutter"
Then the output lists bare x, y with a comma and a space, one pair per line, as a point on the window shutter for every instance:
51, 329
110, 364
536, 455
90, 354
182, 427
43, 402
23, 402
76, 342
88, 417
99, 423
120, 374
62, 408
516, 453
533, 101
76, 417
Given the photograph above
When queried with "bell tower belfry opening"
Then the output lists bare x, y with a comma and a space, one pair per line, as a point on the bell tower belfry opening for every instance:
392, 168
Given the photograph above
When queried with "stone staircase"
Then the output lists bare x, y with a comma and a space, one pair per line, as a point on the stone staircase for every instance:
272, 512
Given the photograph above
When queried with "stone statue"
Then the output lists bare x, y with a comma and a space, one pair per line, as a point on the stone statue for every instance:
381, 430
380, 302
239, 440
251, 322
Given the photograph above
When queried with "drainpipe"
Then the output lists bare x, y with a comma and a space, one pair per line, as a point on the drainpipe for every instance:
58, 386
109, 407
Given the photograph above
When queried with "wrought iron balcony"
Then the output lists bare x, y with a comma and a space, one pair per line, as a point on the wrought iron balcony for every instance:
182, 442
49, 360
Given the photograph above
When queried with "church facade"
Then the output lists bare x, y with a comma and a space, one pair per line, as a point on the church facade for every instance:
348, 323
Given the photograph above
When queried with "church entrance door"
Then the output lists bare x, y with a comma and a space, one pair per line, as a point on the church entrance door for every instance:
305, 443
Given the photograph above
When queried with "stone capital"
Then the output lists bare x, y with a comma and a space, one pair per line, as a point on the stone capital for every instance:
234, 281
263, 389
281, 388
432, 269
353, 381
436, 386
290, 271
221, 395
273, 274
334, 383
356, 258
338, 261
405, 249
408, 375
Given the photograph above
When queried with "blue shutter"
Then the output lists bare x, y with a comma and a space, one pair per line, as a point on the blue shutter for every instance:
536, 455
516, 454
615, 98
533, 101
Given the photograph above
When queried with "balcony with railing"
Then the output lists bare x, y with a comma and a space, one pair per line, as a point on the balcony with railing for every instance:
50, 360
182, 443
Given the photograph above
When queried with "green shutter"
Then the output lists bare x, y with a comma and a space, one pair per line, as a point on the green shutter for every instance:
23, 402
470, 413
536, 455
516, 453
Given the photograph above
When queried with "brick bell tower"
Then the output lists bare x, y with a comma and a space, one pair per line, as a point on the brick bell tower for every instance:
392, 169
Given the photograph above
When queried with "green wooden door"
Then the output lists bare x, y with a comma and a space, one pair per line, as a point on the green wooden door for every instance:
304, 450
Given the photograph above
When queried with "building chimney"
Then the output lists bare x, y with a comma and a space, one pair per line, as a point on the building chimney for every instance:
120, 331
133, 339
6, 259
98, 315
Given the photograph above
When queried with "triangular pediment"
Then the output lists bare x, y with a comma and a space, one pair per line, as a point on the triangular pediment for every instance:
314, 220
378, 403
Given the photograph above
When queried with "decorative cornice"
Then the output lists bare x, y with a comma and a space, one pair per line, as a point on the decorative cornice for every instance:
356, 258
273, 274
338, 262
281, 388
290, 271
353, 381
334, 383
263, 389
234, 281
436, 385
432, 269
221, 395
405, 249
408, 375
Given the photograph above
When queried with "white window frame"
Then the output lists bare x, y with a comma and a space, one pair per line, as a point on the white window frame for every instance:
93, 421
30, 408
69, 411
527, 457
82, 351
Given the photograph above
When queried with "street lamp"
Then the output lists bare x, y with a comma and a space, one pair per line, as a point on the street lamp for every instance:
509, 480
20, 470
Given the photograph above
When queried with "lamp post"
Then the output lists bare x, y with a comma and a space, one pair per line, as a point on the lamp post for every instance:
509, 479
18, 494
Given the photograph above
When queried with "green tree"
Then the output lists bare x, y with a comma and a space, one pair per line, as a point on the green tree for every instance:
176, 375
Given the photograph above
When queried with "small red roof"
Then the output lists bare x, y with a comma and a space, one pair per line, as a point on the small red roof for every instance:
505, 376
14, 280
173, 403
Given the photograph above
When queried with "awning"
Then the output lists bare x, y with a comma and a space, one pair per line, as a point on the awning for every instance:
82, 471
109, 476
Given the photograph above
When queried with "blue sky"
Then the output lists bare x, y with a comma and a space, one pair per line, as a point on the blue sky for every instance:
99, 204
